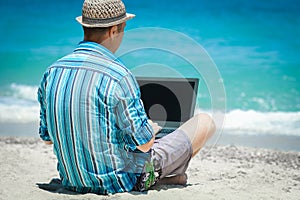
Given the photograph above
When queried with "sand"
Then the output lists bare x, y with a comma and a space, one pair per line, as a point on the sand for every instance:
218, 172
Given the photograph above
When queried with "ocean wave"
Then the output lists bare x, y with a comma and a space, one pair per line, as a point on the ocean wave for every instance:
18, 104
24, 92
236, 121
18, 113
256, 122
21, 106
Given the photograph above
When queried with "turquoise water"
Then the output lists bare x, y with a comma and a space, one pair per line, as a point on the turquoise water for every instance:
254, 45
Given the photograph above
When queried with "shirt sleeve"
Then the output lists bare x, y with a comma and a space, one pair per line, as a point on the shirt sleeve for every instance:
43, 130
130, 113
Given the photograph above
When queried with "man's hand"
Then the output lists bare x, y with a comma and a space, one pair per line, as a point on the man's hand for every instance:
156, 128
48, 142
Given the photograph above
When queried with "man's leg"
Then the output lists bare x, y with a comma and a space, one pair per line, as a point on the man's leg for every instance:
174, 151
199, 129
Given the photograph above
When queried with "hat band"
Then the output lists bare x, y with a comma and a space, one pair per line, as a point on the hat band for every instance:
102, 21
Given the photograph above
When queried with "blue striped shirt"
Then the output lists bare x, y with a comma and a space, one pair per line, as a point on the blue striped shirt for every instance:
90, 109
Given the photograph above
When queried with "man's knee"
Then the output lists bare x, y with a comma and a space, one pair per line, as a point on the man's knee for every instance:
204, 120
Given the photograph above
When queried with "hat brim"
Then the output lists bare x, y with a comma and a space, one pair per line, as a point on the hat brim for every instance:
128, 16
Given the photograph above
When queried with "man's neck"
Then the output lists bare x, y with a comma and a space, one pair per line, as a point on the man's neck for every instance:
104, 42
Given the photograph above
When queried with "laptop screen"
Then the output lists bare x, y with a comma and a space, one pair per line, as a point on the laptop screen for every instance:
169, 99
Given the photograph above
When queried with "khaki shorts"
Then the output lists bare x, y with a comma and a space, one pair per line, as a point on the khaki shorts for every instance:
173, 153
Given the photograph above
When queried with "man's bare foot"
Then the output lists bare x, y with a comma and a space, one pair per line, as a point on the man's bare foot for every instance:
174, 180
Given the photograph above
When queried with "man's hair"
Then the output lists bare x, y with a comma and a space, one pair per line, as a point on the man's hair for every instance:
89, 32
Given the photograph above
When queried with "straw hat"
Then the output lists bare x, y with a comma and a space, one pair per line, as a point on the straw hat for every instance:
103, 13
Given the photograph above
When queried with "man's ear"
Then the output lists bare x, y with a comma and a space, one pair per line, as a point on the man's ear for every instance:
113, 31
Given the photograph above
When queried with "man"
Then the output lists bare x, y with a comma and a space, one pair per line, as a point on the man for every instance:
90, 110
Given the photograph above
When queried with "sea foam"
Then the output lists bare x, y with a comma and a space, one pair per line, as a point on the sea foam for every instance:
255, 122
21, 106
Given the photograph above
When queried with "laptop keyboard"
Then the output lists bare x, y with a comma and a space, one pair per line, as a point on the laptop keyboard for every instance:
163, 132
167, 130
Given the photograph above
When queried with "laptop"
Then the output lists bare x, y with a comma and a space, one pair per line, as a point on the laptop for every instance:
168, 101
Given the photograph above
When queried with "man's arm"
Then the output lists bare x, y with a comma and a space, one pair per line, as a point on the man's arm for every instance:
131, 116
48, 142
146, 147
43, 130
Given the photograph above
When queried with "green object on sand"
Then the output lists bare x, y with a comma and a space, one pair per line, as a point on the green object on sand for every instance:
149, 175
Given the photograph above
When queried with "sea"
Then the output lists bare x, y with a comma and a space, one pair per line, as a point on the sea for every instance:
246, 54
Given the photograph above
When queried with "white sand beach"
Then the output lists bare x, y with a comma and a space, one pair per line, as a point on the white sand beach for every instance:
219, 172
